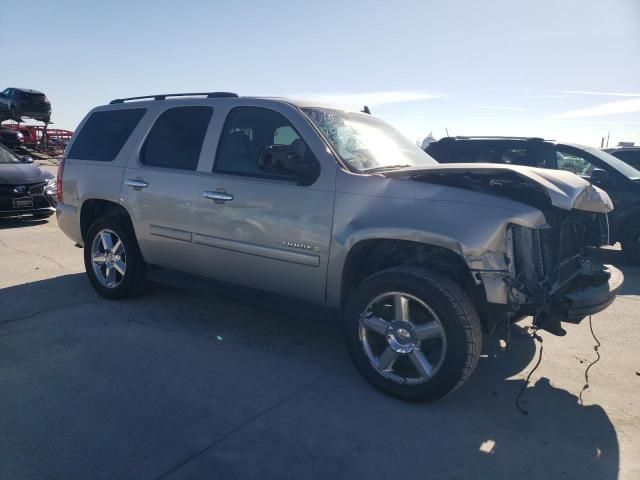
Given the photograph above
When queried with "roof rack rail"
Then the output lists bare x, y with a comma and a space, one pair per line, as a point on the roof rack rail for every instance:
490, 137
165, 95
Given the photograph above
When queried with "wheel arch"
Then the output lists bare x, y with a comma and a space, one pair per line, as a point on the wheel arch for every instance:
373, 255
94, 208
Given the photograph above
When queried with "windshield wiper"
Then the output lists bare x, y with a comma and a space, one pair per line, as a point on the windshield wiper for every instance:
383, 168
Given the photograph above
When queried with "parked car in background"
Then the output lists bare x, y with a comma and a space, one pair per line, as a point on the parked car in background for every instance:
16, 103
620, 180
334, 209
630, 155
25, 189
10, 138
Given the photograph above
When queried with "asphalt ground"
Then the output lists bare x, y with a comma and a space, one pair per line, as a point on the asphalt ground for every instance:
178, 384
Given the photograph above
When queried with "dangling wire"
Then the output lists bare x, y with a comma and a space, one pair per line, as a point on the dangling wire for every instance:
537, 337
586, 372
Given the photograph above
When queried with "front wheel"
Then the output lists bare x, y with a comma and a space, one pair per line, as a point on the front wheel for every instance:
413, 334
112, 258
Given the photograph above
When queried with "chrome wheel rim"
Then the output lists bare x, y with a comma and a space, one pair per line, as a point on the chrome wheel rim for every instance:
108, 258
403, 338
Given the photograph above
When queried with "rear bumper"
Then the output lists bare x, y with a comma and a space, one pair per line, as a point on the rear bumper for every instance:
590, 293
68, 218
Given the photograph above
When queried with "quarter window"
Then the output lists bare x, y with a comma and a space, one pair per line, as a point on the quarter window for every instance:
247, 132
175, 140
104, 134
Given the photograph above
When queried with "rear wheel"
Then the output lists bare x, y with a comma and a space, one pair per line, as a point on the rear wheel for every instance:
112, 258
412, 333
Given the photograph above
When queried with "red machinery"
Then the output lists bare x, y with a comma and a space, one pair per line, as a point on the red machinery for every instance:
50, 141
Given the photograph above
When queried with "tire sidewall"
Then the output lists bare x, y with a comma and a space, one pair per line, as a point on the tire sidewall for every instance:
452, 369
134, 260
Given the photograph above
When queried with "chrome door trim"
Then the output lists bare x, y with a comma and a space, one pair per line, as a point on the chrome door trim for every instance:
217, 196
136, 183
166, 232
307, 259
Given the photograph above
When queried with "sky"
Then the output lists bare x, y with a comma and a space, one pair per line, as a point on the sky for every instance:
559, 69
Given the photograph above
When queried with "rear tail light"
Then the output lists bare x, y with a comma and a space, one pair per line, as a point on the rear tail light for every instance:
59, 180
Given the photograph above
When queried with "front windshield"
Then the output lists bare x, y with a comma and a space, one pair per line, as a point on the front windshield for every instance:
622, 167
7, 157
366, 143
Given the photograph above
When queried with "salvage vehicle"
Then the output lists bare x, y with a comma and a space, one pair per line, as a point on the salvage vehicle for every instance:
620, 180
25, 189
16, 103
10, 138
335, 209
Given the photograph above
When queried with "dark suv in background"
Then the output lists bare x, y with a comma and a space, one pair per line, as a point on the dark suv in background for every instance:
16, 103
620, 180
630, 155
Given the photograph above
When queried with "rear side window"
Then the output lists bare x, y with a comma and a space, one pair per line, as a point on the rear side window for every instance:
175, 140
104, 134
463, 152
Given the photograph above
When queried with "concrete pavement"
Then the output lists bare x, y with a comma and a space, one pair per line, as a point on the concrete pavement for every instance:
181, 385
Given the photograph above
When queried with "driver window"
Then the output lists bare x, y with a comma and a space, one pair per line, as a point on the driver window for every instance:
574, 162
246, 133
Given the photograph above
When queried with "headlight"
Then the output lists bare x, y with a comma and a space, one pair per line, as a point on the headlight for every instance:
51, 191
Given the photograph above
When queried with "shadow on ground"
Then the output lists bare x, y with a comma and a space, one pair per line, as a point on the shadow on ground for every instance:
184, 385
20, 222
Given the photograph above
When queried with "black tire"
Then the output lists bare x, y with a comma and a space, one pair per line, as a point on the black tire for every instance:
132, 282
458, 318
631, 241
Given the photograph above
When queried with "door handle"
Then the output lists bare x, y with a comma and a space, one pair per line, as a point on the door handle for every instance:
217, 196
136, 183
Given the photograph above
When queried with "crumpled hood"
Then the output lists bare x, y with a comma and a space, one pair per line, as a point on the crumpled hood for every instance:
15, 173
564, 189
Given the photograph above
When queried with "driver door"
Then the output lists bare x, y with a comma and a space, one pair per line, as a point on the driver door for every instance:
260, 229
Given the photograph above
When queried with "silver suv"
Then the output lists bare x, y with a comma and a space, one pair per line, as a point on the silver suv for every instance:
337, 209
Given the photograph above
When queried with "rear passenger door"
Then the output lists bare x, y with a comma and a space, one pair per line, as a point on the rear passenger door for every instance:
160, 187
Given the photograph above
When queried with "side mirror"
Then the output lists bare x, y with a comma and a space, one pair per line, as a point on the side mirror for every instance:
26, 159
284, 160
599, 176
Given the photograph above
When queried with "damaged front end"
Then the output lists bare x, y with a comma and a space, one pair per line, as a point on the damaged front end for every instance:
548, 272
556, 277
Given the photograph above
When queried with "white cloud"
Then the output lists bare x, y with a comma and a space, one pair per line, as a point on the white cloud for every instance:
498, 107
611, 94
357, 100
612, 108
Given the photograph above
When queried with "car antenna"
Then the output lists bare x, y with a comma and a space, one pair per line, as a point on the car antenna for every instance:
366, 110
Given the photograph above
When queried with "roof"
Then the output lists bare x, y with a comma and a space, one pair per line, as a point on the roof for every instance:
622, 149
27, 90
300, 103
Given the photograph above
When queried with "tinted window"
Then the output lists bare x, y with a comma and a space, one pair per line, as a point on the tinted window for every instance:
104, 134
175, 140
247, 131
463, 152
632, 157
